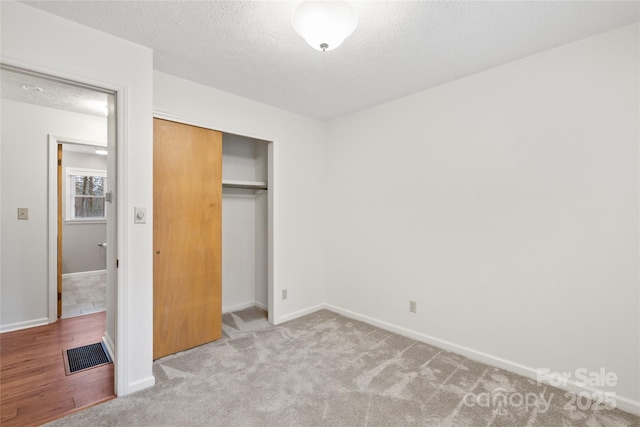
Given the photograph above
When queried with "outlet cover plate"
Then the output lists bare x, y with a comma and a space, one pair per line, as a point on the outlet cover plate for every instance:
413, 306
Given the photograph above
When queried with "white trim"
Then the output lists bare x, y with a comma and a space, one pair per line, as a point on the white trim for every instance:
84, 273
238, 307
166, 115
628, 405
272, 160
52, 212
121, 314
243, 306
623, 403
52, 231
85, 221
300, 313
85, 171
62, 139
147, 382
121, 199
70, 171
24, 325
273, 306
123, 206
108, 343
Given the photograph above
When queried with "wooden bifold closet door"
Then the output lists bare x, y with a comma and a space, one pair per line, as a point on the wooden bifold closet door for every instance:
187, 237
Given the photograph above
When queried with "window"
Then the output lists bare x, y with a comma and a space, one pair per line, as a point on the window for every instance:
85, 194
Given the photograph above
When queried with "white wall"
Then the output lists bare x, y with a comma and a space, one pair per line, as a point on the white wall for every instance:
244, 224
37, 40
238, 249
506, 204
24, 183
298, 187
80, 250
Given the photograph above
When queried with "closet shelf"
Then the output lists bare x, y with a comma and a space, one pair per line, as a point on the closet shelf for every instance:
249, 185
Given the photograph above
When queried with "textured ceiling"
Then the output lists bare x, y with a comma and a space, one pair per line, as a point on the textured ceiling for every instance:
249, 48
52, 93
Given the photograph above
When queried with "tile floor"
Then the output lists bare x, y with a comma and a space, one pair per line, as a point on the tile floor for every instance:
83, 294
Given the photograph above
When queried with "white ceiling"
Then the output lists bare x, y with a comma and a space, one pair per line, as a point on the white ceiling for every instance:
249, 48
34, 89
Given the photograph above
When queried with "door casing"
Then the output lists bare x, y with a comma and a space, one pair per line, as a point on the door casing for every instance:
118, 121
55, 212
55, 144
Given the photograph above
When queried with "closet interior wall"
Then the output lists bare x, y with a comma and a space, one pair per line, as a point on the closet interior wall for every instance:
244, 224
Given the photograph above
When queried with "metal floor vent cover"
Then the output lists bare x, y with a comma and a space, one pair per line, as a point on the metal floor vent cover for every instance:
86, 357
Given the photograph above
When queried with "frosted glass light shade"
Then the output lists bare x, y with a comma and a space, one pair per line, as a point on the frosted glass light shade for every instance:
324, 24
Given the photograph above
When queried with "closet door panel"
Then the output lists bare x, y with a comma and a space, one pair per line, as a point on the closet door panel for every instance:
187, 201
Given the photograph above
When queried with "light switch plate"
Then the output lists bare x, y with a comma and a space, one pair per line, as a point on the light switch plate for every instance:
23, 213
140, 215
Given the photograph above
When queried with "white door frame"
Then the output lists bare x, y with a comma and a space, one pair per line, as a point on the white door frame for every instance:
121, 350
53, 141
273, 309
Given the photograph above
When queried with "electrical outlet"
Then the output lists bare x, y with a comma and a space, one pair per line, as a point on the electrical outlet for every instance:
284, 294
412, 306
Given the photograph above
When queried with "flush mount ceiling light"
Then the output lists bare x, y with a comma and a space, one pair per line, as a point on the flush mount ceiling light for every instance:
31, 88
324, 24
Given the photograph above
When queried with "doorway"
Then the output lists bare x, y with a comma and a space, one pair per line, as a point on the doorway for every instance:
82, 242
46, 112
246, 228
245, 223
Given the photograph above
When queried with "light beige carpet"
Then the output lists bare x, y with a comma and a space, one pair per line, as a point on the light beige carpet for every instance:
326, 370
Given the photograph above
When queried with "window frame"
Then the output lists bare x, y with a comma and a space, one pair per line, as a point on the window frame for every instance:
71, 195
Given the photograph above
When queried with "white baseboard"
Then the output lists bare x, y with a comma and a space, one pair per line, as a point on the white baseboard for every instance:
238, 307
108, 343
243, 306
623, 403
628, 405
83, 273
300, 313
24, 325
140, 385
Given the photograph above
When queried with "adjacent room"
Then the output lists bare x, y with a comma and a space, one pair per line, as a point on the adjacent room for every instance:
321, 213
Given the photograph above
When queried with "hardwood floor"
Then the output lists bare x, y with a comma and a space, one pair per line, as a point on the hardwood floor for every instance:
33, 386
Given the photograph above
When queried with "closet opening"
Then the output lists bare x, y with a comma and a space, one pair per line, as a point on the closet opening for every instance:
246, 207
